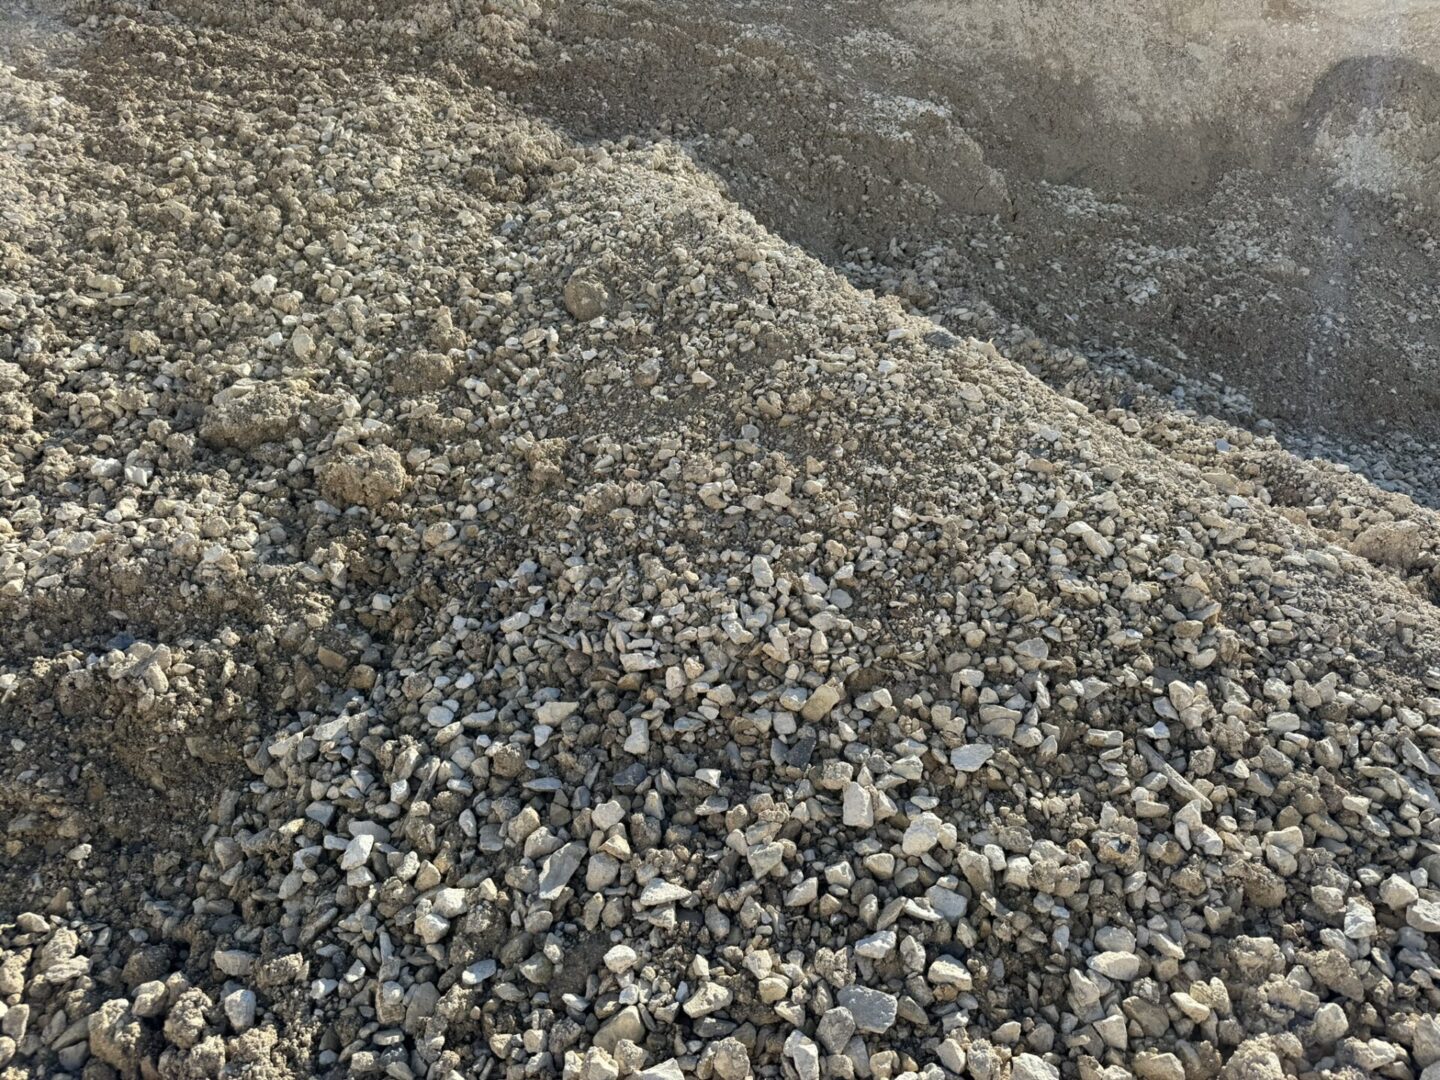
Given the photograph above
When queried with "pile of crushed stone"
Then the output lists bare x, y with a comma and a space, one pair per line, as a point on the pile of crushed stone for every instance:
1303, 275
477, 604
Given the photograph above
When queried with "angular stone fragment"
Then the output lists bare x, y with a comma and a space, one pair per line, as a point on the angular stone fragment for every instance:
1424, 915
709, 998
1116, 965
874, 1010
857, 810
822, 699
1032, 1067
558, 868
804, 1055
625, 1024
835, 1028
357, 851
947, 971
660, 892
921, 835
972, 757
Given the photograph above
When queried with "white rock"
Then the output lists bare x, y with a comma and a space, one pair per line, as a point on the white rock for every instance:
621, 958
947, 971
1331, 1023
431, 927
1398, 893
638, 741
710, 998
804, 1054
607, 815
856, 808
662, 892
1116, 965
764, 858
234, 962
239, 1006
558, 868
874, 1010
1424, 915
302, 343
761, 573
553, 713
1030, 1067
1359, 920
357, 851
922, 834
877, 946
449, 903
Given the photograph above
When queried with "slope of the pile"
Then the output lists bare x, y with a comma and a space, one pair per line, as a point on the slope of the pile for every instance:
478, 605
1283, 239
1231, 191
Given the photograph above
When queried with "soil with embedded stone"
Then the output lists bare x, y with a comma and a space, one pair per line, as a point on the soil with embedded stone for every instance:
475, 602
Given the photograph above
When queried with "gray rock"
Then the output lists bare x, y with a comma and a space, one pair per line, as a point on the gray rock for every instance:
431, 927
357, 852
558, 868
731, 1060
971, 758
237, 963
659, 892
1424, 915
625, 1024
874, 1010
1116, 965
835, 1028
804, 1054
857, 810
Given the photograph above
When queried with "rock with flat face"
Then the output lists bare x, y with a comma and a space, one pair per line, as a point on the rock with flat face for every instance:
557, 870
874, 1010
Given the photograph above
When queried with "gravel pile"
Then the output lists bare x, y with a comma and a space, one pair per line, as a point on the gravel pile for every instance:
474, 604
1305, 277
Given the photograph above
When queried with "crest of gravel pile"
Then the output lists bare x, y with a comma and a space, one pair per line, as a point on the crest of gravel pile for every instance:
479, 605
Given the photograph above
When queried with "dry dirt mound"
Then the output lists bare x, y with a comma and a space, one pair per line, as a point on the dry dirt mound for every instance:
476, 603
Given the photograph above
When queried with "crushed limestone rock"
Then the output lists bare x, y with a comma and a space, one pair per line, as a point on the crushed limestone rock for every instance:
476, 603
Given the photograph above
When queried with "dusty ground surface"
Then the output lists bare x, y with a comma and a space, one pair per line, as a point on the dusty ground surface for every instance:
479, 599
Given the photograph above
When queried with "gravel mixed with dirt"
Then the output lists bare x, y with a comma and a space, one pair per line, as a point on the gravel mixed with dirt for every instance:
477, 603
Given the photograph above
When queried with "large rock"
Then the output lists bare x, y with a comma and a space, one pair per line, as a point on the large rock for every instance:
1031, 1067
625, 1024
874, 1010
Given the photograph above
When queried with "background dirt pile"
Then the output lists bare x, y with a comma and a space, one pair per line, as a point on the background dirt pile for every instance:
477, 602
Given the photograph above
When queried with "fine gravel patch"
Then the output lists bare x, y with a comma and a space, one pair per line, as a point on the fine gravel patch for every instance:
475, 603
